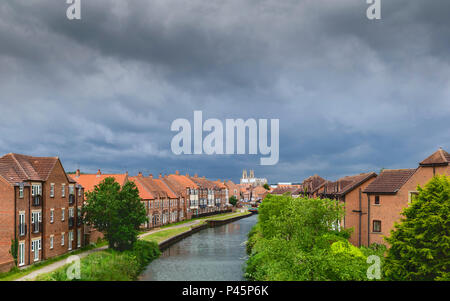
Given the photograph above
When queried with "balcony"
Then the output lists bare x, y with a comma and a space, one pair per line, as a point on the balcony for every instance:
36, 227
71, 222
37, 200
71, 199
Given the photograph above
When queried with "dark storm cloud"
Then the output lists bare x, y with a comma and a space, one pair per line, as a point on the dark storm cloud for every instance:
352, 95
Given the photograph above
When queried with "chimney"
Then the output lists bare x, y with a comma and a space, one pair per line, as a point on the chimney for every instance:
195, 175
177, 172
126, 173
99, 173
151, 176
140, 174
77, 173
160, 176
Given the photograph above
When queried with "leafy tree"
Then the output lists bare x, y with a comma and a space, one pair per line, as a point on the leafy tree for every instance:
420, 243
266, 186
233, 200
297, 239
14, 250
115, 211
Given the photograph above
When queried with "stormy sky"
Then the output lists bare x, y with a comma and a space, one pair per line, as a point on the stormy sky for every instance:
352, 95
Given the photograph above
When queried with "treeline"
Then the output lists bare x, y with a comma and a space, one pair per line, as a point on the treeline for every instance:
299, 239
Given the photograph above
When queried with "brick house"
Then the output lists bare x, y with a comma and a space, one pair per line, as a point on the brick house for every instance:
163, 208
88, 182
349, 191
40, 206
393, 190
187, 191
212, 195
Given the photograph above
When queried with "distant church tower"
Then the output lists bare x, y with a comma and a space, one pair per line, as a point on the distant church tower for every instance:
244, 174
252, 174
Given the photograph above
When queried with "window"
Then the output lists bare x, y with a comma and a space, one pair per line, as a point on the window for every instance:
52, 190
376, 226
70, 212
412, 196
52, 215
35, 248
21, 253
51, 242
70, 240
21, 191
79, 192
21, 223
36, 189
78, 238
63, 190
377, 200
63, 214
36, 219
62, 238
71, 189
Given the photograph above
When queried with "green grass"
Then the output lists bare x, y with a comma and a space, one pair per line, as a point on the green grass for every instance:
17, 273
165, 234
230, 216
110, 265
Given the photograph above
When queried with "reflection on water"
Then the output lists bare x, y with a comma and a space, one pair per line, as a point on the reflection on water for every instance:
213, 254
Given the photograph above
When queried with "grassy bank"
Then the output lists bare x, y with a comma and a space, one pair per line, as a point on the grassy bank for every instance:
110, 265
17, 273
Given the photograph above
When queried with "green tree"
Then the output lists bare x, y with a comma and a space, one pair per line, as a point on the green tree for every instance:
266, 186
233, 200
115, 211
420, 242
14, 250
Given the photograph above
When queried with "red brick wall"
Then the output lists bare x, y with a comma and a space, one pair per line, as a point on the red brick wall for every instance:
391, 206
6, 224
352, 218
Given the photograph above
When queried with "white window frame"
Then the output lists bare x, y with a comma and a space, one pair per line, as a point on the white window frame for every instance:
21, 191
51, 241
63, 190
21, 255
52, 216
63, 234
78, 238
63, 214
52, 190
22, 223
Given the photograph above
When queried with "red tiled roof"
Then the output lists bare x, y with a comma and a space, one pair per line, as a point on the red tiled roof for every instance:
285, 188
144, 193
440, 157
181, 182
89, 181
390, 181
157, 187
351, 182
18, 168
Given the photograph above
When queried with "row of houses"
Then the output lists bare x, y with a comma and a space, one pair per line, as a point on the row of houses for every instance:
373, 202
40, 205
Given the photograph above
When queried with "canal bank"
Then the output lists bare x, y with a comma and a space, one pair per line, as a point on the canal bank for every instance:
209, 254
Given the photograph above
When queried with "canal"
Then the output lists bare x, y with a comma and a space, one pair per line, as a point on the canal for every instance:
213, 254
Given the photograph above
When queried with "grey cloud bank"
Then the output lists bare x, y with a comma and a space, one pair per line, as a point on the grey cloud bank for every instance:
352, 95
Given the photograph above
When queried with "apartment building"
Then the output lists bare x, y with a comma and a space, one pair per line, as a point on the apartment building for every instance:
88, 182
393, 190
212, 196
40, 206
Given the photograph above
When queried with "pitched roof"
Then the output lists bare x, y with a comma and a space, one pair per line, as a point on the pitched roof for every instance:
313, 183
157, 187
204, 183
390, 181
89, 181
349, 183
181, 182
285, 188
16, 168
440, 157
144, 193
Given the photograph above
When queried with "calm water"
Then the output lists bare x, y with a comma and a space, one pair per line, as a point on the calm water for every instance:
213, 254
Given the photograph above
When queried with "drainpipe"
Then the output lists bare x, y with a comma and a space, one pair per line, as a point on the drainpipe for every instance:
29, 223
360, 217
368, 219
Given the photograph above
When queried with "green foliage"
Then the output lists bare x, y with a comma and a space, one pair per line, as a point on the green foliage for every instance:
116, 212
297, 239
111, 265
14, 251
233, 200
420, 243
266, 186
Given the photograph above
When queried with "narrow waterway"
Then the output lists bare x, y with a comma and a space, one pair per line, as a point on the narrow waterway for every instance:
213, 254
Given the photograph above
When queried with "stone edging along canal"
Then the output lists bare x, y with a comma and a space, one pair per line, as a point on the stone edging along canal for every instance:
209, 224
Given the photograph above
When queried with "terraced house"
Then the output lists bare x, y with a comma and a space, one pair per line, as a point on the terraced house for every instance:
40, 207
213, 197
187, 191
88, 182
